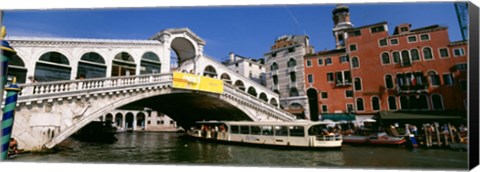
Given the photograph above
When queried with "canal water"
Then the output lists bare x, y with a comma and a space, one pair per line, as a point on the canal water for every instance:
173, 149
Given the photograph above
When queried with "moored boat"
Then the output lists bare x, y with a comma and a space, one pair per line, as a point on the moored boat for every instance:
298, 134
384, 139
355, 139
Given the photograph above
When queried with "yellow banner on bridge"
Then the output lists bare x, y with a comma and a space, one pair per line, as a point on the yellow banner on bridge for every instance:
196, 82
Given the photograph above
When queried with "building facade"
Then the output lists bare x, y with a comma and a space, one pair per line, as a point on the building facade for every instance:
371, 71
285, 72
248, 67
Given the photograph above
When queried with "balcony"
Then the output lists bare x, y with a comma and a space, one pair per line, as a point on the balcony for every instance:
273, 72
413, 88
340, 83
291, 69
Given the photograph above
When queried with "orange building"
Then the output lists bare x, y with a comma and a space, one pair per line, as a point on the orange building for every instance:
371, 71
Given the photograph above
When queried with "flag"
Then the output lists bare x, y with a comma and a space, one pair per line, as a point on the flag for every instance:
413, 79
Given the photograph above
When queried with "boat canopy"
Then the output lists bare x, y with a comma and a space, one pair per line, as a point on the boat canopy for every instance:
339, 117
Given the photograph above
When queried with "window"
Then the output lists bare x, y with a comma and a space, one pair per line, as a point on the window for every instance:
354, 33
349, 93
281, 130
375, 103
414, 54
396, 57
324, 95
358, 84
448, 79
360, 104
434, 78
275, 79
293, 77
425, 37
274, 67
291, 50
385, 58
324, 108
330, 77
463, 85
244, 130
355, 63
382, 42
309, 63
310, 78
392, 103
412, 39
343, 59
353, 47
403, 29
349, 107
437, 102
236, 64
320, 61
294, 92
235, 129
443, 52
274, 54
250, 64
461, 66
328, 61
293, 63
389, 81
458, 52
343, 78
296, 131
427, 53
403, 102
393, 41
406, 58
377, 29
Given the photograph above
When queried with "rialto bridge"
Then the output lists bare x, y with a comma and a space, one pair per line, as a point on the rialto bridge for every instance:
124, 74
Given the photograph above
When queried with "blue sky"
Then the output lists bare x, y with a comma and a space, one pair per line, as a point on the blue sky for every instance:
245, 30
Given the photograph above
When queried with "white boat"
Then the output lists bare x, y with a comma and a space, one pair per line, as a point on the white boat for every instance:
299, 134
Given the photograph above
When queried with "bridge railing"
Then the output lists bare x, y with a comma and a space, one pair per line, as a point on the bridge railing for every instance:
284, 115
72, 86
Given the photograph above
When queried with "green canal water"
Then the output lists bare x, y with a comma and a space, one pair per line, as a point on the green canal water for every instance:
173, 149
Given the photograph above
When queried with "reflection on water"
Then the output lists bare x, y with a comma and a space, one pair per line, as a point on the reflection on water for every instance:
172, 148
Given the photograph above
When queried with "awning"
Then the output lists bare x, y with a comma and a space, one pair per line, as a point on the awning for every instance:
427, 115
339, 117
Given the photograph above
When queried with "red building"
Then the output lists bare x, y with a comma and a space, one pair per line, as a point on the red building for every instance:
371, 71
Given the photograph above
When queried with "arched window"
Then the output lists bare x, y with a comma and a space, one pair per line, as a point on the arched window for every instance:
358, 84
52, 66
360, 106
273, 102
418, 102
427, 53
226, 78
275, 79
16, 67
389, 81
119, 120
294, 92
434, 78
406, 58
91, 65
392, 103
415, 55
141, 120
437, 102
355, 62
263, 97
291, 63
252, 91
403, 102
396, 57
210, 72
150, 63
385, 58
274, 67
123, 65
239, 84
375, 103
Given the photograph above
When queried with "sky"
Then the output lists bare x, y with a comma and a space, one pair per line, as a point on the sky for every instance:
248, 31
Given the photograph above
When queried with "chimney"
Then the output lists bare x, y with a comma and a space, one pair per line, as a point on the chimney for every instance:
232, 57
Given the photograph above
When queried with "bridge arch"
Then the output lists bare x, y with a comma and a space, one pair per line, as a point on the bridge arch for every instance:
251, 90
150, 63
123, 64
263, 97
239, 84
16, 67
